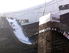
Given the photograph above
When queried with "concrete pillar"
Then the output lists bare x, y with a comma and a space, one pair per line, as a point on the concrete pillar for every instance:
45, 33
45, 39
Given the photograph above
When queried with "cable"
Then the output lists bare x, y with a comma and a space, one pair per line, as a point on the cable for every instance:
58, 7
40, 12
42, 6
37, 15
36, 8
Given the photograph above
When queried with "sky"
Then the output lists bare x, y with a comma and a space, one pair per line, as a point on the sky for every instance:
16, 5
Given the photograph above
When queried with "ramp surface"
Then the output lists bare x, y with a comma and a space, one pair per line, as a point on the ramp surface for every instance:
8, 41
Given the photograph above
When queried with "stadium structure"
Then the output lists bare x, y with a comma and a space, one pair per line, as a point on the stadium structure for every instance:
32, 15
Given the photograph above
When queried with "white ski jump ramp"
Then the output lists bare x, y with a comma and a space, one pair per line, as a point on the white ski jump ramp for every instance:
18, 31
